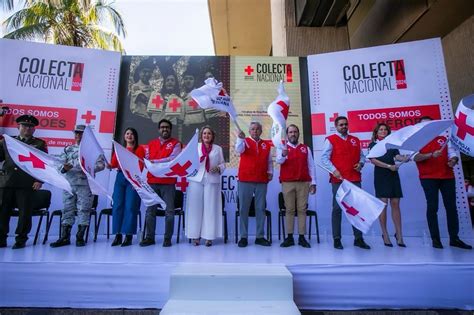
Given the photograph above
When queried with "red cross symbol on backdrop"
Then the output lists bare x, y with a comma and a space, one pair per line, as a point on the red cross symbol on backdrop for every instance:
334, 116
130, 177
351, 210
192, 103
249, 70
284, 108
35, 161
174, 104
88, 117
182, 184
157, 101
179, 170
463, 127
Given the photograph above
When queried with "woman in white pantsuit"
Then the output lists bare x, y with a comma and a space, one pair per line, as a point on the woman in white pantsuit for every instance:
204, 203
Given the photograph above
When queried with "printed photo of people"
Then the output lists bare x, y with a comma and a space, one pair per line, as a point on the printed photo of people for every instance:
158, 87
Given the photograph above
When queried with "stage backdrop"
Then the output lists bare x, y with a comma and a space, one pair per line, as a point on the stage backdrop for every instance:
395, 84
62, 86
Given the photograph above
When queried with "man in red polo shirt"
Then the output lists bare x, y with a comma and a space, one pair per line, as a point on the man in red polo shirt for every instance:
298, 180
255, 171
163, 149
435, 163
343, 157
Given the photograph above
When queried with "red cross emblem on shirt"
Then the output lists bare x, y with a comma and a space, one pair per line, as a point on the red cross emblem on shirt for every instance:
174, 104
35, 161
157, 101
463, 127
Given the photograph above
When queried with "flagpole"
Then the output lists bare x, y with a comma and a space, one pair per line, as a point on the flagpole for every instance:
327, 170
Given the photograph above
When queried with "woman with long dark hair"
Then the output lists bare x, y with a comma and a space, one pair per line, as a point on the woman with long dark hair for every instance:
387, 184
126, 202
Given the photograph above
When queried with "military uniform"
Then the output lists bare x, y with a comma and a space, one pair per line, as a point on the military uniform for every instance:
16, 188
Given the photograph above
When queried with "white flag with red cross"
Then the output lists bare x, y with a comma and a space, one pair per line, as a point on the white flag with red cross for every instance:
91, 156
360, 207
185, 164
132, 169
278, 110
40, 165
462, 135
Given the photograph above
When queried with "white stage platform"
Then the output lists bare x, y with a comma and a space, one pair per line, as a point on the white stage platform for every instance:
99, 276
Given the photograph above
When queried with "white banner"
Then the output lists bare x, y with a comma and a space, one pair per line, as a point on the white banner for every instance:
463, 129
395, 84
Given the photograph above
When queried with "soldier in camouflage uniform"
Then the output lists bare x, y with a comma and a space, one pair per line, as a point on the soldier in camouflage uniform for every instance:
16, 186
81, 199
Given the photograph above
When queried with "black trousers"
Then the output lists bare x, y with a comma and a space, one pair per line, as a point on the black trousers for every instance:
20, 198
447, 187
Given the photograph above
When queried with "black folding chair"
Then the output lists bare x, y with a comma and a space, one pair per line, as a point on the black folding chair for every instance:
108, 212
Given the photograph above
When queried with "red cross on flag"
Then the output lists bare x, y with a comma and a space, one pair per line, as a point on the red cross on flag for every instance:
278, 110
360, 207
462, 135
185, 164
92, 159
130, 166
40, 165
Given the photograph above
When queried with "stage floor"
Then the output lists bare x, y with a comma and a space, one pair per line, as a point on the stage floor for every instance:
101, 276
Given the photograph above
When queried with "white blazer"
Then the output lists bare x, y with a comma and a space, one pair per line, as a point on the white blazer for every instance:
216, 158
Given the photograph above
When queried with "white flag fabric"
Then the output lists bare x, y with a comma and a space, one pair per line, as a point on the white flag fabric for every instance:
40, 165
462, 135
185, 164
90, 152
360, 207
410, 138
130, 165
278, 110
212, 95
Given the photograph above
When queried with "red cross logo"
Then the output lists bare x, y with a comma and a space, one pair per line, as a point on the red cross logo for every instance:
182, 184
284, 108
463, 127
130, 177
222, 92
249, 70
88, 117
192, 103
157, 101
174, 104
179, 170
351, 210
35, 161
334, 116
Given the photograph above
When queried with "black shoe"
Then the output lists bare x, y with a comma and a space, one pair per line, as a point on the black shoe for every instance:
147, 242
400, 244
117, 240
19, 244
208, 243
243, 242
289, 241
81, 231
338, 243
361, 243
3, 243
303, 242
460, 244
127, 241
167, 242
262, 242
387, 244
437, 243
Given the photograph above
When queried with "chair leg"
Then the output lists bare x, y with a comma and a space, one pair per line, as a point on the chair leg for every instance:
270, 236
98, 225
226, 232
283, 226
140, 219
184, 220
236, 227
279, 225
179, 228
309, 228
38, 229
108, 226
317, 227
60, 222
47, 228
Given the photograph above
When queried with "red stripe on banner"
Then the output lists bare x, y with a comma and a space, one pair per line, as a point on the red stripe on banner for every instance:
318, 124
58, 142
107, 122
50, 118
395, 117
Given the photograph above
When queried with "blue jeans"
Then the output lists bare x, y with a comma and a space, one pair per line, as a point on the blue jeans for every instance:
126, 204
